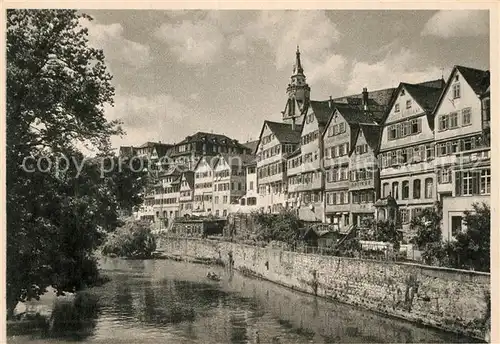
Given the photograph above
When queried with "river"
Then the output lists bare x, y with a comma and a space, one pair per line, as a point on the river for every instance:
161, 301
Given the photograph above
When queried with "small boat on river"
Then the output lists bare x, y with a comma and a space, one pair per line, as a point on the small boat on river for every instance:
213, 276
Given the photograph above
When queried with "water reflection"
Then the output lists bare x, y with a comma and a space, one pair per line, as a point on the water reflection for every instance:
151, 301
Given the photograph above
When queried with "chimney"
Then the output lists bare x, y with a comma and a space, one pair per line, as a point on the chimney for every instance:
330, 102
365, 98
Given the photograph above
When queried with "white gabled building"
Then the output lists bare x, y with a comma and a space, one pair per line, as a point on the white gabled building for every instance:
462, 164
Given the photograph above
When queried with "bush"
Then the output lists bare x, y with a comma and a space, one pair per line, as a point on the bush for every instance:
283, 227
133, 240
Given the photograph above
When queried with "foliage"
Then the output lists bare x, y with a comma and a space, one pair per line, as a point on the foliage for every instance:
472, 246
57, 90
284, 227
384, 231
134, 240
469, 250
427, 226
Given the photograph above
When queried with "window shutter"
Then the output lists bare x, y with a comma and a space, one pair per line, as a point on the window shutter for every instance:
439, 176
458, 180
476, 178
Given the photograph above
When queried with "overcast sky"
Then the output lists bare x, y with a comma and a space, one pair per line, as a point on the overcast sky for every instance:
178, 72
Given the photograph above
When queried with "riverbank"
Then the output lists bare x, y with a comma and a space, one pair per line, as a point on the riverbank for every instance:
447, 299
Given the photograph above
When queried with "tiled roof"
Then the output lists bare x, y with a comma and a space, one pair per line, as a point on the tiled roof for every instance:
355, 114
380, 98
285, 132
189, 177
372, 135
204, 136
426, 97
478, 79
251, 145
322, 111
438, 83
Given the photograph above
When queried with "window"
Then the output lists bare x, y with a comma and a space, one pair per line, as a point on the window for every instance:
467, 183
392, 132
466, 116
442, 149
444, 176
341, 127
386, 190
216, 199
456, 225
485, 182
396, 108
405, 218
443, 122
429, 185
408, 104
429, 151
453, 118
416, 188
406, 190
395, 189
456, 90
415, 126
467, 144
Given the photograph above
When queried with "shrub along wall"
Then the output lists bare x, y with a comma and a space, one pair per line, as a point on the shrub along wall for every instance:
453, 300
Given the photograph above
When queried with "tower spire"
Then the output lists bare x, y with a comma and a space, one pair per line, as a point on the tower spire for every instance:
298, 66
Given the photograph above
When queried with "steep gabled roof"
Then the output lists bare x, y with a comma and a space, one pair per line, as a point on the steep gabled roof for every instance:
479, 81
189, 177
426, 97
322, 111
372, 135
285, 133
252, 145
235, 159
426, 94
355, 114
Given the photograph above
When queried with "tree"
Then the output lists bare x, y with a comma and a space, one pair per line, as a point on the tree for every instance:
134, 239
427, 226
57, 90
472, 246
284, 227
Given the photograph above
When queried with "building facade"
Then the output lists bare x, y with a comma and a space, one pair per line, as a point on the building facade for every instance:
462, 164
407, 150
276, 141
229, 183
203, 186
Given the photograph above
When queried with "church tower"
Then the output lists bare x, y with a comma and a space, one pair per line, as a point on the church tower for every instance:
298, 92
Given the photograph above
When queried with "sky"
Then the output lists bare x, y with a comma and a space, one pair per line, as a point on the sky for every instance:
178, 72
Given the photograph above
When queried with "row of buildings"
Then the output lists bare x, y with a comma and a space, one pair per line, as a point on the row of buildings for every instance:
336, 160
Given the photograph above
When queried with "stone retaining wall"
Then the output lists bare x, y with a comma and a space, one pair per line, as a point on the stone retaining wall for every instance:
449, 299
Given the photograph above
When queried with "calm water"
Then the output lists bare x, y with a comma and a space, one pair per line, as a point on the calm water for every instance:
173, 302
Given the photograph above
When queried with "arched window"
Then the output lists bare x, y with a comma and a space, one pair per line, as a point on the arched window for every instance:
429, 186
406, 190
416, 188
395, 190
